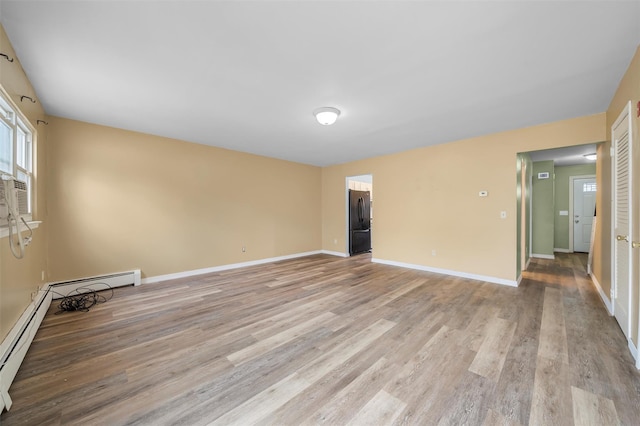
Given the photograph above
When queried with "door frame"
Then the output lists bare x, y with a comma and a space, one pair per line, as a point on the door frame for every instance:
571, 179
523, 216
346, 207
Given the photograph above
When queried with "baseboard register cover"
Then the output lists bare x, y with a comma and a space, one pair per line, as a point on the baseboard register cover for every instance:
14, 347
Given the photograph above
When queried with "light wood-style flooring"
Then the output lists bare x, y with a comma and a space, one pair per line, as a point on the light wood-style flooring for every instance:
327, 340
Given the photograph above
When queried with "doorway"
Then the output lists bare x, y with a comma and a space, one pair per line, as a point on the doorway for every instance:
359, 214
550, 220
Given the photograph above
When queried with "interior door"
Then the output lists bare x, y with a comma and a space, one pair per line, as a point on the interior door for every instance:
622, 226
584, 203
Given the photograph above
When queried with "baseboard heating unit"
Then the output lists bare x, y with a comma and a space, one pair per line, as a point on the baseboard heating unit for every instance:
14, 347
97, 283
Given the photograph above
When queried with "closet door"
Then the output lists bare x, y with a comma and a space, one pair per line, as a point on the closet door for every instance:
622, 225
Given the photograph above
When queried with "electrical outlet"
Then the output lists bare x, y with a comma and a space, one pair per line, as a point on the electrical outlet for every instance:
33, 295
335, 241
433, 252
244, 249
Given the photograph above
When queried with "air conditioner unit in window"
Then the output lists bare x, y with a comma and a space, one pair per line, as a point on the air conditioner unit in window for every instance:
14, 197
14, 204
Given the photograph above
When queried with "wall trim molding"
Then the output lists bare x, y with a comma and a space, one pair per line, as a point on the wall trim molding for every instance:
561, 250
194, 272
494, 280
543, 256
605, 299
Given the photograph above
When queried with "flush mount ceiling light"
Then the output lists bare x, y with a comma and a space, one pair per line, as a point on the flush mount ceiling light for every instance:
326, 115
591, 157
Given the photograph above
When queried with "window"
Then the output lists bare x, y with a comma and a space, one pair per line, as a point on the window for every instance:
16, 144
588, 187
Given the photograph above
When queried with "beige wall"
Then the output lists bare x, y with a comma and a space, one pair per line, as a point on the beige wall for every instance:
120, 200
628, 90
427, 199
19, 278
542, 206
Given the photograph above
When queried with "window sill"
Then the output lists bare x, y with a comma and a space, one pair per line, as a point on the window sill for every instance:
33, 224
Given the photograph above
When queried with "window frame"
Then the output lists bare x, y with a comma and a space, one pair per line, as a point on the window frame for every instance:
18, 123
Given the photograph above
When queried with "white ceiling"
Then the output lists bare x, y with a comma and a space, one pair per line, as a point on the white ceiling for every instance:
247, 75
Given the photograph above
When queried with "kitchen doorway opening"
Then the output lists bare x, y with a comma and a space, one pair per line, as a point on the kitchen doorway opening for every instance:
359, 214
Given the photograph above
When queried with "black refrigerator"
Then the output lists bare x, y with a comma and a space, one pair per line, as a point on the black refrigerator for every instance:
359, 222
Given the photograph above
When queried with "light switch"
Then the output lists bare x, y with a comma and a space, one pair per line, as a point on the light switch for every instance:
503, 215
563, 212
483, 193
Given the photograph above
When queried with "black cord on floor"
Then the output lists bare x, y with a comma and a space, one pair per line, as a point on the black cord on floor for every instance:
83, 299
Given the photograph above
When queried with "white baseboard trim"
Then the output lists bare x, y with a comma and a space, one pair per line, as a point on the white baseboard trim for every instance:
334, 253
494, 280
528, 263
14, 347
186, 274
603, 296
543, 256
562, 250
519, 280
634, 352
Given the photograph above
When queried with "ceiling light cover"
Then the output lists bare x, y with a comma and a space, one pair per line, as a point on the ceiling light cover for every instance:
591, 157
326, 115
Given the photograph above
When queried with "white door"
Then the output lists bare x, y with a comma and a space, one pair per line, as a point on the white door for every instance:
584, 203
622, 226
